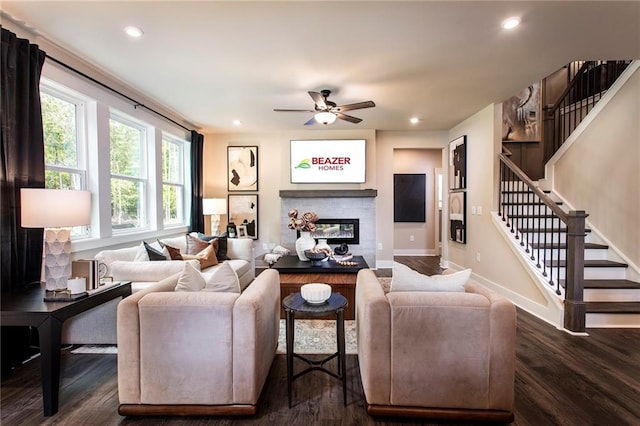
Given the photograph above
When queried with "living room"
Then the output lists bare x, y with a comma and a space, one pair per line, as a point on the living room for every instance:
493, 262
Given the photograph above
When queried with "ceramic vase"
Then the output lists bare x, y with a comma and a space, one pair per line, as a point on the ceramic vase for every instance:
305, 242
322, 244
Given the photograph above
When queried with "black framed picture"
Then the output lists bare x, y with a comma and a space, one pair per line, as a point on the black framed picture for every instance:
243, 212
409, 197
242, 168
458, 163
458, 216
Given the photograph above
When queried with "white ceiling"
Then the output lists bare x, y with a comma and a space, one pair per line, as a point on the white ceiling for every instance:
215, 61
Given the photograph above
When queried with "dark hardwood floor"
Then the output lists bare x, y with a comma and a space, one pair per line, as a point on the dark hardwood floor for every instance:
560, 380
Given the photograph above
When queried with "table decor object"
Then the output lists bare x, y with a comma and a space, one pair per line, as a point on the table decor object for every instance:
315, 293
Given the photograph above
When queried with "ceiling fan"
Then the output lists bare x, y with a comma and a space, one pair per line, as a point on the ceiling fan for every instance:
327, 111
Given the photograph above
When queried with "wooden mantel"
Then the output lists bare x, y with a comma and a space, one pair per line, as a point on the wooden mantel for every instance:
329, 193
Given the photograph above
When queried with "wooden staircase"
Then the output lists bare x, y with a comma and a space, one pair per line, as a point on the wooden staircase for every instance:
611, 300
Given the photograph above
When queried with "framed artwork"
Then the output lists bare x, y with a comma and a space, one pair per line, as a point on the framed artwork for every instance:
242, 231
458, 163
409, 197
242, 168
521, 116
243, 211
458, 216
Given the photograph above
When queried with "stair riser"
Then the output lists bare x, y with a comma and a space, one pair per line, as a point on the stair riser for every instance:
590, 273
612, 320
611, 295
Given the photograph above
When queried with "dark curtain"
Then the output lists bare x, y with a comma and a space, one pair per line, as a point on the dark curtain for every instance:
197, 146
22, 155
22, 165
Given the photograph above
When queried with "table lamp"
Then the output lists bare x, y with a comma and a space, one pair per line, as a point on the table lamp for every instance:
56, 210
214, 207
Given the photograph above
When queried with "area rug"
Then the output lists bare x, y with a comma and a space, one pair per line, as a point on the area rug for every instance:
311, 336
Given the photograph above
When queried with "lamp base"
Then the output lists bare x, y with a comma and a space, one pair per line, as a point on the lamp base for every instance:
57, 257
215, 224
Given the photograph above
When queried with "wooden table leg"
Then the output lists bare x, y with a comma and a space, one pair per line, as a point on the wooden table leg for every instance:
49, 336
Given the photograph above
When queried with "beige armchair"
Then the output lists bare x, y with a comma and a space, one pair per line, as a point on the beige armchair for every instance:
196, 353
445, 355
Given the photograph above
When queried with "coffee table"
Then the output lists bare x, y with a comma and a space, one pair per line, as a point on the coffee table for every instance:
27, 308
294, 273
293, 305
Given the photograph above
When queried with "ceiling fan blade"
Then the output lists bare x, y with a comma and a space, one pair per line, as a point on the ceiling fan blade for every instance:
318, 99
293, 110
310, 121
357, 105
348, 117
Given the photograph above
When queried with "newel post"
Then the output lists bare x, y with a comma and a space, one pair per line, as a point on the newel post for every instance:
574, 306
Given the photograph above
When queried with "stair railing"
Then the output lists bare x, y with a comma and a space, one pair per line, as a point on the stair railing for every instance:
587, 81
553, 238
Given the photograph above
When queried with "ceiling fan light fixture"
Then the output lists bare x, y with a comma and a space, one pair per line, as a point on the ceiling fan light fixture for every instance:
325, 117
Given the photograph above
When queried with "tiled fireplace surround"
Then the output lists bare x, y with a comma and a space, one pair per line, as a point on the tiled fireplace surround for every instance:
334, 204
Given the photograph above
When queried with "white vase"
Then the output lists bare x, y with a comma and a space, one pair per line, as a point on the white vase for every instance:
322, 244
305, 242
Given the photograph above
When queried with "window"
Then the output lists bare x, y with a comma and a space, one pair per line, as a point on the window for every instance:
172, 180
128, 173
64, 143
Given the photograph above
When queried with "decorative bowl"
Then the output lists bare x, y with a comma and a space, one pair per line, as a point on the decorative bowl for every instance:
315, 255
315, 293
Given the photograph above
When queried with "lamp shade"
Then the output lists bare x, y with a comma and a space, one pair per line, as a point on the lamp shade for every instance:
325, 117
214, 206
54, 208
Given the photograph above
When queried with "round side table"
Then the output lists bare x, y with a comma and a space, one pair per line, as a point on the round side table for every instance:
294, 304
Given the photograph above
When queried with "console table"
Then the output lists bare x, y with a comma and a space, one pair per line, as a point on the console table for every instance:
294, 273
28, 308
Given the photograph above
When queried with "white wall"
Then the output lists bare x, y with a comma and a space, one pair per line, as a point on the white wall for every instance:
600, 172
424, 233
499, 266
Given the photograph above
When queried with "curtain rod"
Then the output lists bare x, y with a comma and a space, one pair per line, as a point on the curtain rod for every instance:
136, 104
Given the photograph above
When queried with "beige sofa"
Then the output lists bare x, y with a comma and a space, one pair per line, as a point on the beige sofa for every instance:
445, 355
98, 325
196, 353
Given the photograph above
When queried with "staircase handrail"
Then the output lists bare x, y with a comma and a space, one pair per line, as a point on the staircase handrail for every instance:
570, 86
543, 197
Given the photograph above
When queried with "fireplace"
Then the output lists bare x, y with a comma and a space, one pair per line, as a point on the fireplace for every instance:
337, 231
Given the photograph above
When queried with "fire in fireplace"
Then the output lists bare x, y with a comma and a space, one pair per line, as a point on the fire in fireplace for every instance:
337, 231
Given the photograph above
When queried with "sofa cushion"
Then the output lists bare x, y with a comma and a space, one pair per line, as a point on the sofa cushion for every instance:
174, 252
240, 266
221, 252
207, 257
147, 271
221, 279
155, 254
407, 279
141, 254
195, 245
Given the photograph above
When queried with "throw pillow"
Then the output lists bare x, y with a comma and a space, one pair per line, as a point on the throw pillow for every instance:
174, 252
206, 257
221, 252
141, 254
190, 279
153, 253
407, 279
195, 245
223, 279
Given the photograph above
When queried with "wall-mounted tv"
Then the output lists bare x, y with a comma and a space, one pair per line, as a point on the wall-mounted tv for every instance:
328, 161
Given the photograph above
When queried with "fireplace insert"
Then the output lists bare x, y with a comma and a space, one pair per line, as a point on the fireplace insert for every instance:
337, 231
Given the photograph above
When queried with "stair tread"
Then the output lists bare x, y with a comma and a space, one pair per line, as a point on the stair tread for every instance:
540, 216
613, 307
597, 263
549, 229
611, 284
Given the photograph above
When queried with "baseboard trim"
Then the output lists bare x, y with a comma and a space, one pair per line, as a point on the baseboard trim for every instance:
501, 416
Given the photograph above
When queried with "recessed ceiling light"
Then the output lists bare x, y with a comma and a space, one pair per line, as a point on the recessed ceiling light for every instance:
133, 31
414, 120
511, 23
237, 122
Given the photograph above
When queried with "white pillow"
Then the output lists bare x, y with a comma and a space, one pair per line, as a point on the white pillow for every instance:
406, 279
223, 279
190, 279
159, 247
141, 254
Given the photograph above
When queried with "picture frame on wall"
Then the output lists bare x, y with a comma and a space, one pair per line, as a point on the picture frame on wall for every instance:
458, 163
458, 216
521, 115
242, 168
409, 197
243, 212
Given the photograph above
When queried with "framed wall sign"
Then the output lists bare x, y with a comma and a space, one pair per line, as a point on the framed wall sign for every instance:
243, 211
242, 168
458, 163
